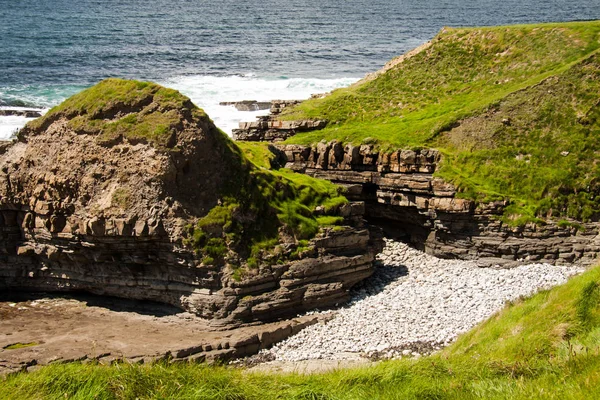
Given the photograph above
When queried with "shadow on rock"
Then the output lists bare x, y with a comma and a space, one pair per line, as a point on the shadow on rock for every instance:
384, 275
116, 304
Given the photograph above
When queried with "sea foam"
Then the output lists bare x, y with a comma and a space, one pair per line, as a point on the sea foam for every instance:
208, 91
9, 125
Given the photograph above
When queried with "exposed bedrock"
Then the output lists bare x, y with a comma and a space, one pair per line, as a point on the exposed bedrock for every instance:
404, 197
271, 129
4, 144
138, 260
106, 210
248, 105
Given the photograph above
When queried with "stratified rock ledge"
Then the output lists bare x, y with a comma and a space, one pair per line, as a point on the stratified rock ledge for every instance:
402, 195
94, 200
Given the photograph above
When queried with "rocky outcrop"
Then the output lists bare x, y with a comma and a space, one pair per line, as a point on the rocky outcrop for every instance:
248, 105
270, 129
20, 113
4, 144
277, 106
92, 201
403, 196
273, 130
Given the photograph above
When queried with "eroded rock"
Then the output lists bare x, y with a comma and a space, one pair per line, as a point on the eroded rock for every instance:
91, 201
402, 194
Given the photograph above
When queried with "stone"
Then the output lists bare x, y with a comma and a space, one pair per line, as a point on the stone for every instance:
247, 105
399, 190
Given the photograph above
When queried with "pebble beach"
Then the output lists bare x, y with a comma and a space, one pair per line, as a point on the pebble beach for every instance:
415, 304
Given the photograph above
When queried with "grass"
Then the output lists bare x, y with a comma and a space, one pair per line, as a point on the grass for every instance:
118, 108
538, 146
244, 230
547, 346
121, 197
503, 104
16, 346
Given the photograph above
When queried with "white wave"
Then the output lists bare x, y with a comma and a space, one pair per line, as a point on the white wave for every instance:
9, 125
208, 91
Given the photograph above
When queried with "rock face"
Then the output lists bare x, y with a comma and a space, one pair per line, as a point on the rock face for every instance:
105, 210
4, 144
247, 105
273, 130
403, 196
270, 129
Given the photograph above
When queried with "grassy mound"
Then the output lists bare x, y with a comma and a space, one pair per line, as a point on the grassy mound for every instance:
547, 346
137, 111
250, 212
505, 104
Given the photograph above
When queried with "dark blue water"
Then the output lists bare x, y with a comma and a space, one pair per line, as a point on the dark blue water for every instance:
52, 48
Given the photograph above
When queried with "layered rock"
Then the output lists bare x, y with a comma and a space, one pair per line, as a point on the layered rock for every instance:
100, 197
273, 130
247, 105
403, 196
270, 129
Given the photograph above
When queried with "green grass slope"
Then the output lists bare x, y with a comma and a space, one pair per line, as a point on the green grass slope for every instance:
138, 111
502, 103
545, 347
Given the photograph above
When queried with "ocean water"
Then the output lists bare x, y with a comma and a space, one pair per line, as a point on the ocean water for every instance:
228, 50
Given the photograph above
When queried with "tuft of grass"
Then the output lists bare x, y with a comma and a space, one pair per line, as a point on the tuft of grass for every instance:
16, 346
258, 153
121, 198
547, 346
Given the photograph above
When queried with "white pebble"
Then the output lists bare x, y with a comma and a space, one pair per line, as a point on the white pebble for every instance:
418, 312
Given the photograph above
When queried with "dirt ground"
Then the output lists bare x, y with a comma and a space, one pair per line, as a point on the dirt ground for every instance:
40, 328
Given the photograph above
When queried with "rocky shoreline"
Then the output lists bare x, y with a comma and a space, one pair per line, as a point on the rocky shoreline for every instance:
415, 304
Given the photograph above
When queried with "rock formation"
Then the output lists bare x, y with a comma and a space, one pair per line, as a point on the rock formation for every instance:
270, 129
403, 196
247, 105
99, 196
20, 113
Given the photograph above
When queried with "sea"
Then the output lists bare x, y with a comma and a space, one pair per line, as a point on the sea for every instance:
226, 50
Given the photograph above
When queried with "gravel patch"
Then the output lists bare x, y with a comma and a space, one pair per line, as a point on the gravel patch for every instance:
415, 304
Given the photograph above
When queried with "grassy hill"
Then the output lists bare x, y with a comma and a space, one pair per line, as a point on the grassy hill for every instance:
547, 346
514, 109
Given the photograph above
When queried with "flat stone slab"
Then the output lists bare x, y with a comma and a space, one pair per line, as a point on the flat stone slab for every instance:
40, 329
